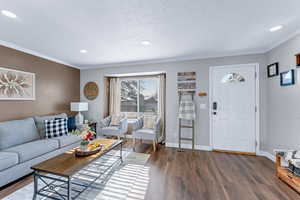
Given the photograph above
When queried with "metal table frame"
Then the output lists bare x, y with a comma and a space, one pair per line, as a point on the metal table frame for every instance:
59, 187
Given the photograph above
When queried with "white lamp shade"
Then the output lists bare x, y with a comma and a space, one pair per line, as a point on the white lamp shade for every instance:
79, 106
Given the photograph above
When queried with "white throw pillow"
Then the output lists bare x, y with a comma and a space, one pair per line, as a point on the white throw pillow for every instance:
149, 122
115, 120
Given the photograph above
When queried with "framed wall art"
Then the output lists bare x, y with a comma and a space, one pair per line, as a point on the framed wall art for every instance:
273, 70
16, 85
91, 90
287, 78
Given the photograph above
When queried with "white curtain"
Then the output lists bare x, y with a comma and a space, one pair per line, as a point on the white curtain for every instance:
161, 102
114, 96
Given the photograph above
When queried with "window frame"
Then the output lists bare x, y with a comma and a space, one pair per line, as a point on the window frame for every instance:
137, 79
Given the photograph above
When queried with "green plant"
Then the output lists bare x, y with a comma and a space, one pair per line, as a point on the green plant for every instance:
75, 132
84, 142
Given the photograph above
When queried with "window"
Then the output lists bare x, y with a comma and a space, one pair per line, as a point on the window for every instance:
139, 95
233, 78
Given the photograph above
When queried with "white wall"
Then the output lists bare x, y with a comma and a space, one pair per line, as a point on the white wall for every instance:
96, 107
283, 106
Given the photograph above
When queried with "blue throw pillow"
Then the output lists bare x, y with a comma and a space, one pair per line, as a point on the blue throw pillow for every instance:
71, 123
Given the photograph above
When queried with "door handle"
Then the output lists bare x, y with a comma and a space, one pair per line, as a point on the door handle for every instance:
215, 106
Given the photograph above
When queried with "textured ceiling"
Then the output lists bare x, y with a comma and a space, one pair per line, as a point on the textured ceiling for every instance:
112, 30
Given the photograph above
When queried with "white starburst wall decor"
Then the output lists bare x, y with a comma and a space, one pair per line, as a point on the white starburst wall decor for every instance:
16, 85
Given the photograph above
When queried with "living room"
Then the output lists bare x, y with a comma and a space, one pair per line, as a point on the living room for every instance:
149, 100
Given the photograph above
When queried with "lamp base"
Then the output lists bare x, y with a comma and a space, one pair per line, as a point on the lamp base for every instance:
79, 119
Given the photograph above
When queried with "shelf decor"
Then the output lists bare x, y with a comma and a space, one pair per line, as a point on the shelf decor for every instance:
287, 78
186, 81
16, 85
273, 70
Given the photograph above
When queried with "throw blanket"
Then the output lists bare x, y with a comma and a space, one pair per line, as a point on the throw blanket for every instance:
187, 108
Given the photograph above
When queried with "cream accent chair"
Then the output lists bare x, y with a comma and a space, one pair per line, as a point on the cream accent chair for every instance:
146, 134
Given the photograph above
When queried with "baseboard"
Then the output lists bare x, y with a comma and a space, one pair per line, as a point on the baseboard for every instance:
189, 146
267, 155
208, 148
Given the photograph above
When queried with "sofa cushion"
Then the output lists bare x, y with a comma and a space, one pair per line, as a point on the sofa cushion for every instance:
39, 121
34, 149
17, 132
67, 140
8, 159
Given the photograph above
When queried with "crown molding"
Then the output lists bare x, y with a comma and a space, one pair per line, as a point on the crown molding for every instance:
34, 53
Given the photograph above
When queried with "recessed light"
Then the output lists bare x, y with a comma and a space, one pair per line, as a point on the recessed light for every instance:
146, 43
8, 14
276, 28
83, 51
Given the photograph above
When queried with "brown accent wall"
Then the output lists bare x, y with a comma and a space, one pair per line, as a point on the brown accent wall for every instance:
56, 86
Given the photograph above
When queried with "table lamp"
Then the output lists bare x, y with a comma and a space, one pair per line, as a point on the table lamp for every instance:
79, 107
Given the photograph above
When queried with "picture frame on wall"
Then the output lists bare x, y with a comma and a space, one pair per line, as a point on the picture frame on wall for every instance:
287, 78
16, 85
273, 70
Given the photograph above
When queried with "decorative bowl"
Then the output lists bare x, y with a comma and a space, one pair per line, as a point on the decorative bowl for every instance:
87, 152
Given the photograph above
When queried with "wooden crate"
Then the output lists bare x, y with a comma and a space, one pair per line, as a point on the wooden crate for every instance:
285, 175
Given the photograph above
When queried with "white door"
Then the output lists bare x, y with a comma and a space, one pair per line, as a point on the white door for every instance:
233, 116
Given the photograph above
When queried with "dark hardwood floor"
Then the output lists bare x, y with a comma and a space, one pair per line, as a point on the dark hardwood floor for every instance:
203, 175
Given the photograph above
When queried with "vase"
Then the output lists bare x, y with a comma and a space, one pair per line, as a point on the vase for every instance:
83, 147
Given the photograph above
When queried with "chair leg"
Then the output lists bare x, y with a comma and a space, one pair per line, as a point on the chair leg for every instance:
154, 145
119, 138
133, 143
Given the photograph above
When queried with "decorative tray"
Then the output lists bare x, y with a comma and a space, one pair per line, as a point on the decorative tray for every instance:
80, 152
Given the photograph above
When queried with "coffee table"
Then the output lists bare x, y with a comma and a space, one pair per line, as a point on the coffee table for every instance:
58, 173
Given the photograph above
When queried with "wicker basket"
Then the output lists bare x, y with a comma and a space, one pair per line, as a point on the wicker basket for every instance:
80, 152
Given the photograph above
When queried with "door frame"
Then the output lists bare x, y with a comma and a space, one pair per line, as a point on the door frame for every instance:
257, 92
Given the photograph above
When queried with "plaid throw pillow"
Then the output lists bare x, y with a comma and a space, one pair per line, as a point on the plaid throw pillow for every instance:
56, 127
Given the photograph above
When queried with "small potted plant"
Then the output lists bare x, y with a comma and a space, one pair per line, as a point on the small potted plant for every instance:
86, 136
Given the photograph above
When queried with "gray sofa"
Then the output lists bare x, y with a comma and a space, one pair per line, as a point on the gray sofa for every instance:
23, 144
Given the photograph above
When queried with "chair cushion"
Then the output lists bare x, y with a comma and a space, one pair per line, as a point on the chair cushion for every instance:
111, 130
147, 134
34, 149
67, 140
17, 132
8, 159
39, 121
